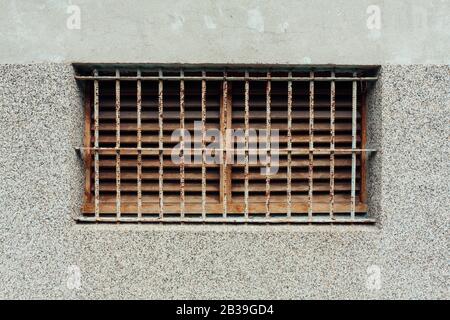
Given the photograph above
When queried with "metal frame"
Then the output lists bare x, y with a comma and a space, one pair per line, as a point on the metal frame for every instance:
226, 217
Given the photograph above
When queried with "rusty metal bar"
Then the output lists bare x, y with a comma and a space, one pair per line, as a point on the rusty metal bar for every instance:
268, 144
332, 142
289, 146
354, 115
96, 145
311, 146
297, 151
139, 144
117, 105
203, 145
246, 124
262, 220
182, 203
118, 205
224, 144
218, 78
161, 146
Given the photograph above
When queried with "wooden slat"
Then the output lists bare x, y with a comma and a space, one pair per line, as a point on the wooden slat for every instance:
296, 114
168, 186
278, 186
169, 127
216, 175
149, 115
87, 142
152, 197
169, 164
151, 92
234, 208
280, 103
172, 104
196, 115
132, 139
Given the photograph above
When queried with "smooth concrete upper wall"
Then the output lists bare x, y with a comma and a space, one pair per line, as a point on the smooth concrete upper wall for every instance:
229, 31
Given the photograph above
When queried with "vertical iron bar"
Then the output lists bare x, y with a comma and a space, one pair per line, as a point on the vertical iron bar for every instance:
311, 147
289, 152
246, 121
203, 145
268, 144
96, 145
118, 204
224, 144
332, 142
354, 115
182, 204
139, 144
160, 145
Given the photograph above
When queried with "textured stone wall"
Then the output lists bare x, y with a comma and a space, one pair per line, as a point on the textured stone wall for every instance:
41, 181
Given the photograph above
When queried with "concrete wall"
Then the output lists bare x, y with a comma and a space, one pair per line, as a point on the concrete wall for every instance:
233, 31
41, 182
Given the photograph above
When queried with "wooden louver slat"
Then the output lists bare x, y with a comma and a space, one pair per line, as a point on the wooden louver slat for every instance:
321, 155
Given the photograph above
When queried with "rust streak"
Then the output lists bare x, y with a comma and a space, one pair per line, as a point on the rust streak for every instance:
311, 146
118, 213
352, 196
96, 145
268, 144
139, 143
224, 144
161, 145
246, 169
182, 203
332, 143
203, 145
289, 147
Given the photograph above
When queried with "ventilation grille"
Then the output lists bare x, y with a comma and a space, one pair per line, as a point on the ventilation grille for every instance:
318, 160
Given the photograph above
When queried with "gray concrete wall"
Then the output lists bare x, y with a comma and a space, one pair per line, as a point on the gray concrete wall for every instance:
41, 177
233, 31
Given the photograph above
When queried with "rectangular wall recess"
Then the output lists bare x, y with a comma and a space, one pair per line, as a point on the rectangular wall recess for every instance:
261, 144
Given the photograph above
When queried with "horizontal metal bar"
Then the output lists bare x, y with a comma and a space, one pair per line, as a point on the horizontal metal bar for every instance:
218, 78
273, 151
237, 220
219, 67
